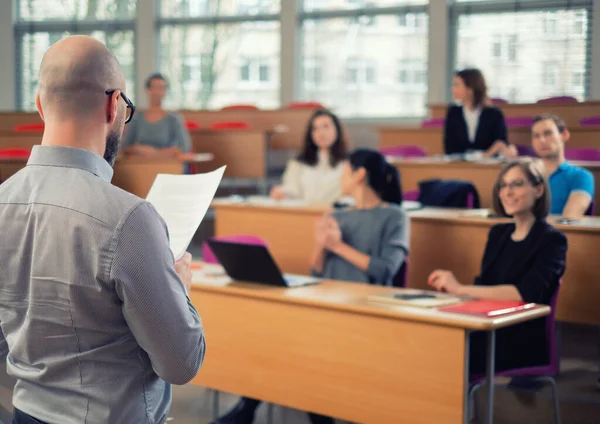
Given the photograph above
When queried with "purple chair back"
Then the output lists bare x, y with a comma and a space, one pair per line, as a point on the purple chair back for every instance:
582, 153
433, 123
526, 151
498, 101
404, 151
589, 121
518, 121
209, 257
411, 195
591, 209
558, 99
401, 275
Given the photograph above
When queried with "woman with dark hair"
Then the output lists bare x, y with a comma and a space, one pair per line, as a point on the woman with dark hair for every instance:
473, 124
369, 242
523, 261
314, 176
156, 132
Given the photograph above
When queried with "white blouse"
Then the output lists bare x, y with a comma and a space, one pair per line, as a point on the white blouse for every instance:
319, 184
472, 120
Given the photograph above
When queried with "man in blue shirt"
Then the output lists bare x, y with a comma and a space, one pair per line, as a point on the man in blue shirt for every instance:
571, 187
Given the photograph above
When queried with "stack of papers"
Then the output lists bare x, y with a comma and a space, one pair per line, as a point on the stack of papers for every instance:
182, 201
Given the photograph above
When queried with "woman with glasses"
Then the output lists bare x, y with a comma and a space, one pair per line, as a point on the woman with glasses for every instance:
523, 261
156, 132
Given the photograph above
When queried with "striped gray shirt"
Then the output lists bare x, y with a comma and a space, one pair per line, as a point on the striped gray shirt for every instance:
96, 322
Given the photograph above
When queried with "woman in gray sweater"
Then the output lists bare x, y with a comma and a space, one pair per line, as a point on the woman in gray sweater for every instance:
156, 132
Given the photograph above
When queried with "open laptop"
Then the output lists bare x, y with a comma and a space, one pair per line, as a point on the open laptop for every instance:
254, 263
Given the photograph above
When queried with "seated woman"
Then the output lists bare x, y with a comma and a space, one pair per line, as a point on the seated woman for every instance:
156, 132
314, 176
472, 124
522, 261
367, 243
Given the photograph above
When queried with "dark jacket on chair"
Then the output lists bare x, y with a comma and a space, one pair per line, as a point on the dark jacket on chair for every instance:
535, 272
447, 193
491, 127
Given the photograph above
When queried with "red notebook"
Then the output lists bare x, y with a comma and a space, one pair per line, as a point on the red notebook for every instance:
490, 308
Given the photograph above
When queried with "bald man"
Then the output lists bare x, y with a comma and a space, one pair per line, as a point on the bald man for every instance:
94, 312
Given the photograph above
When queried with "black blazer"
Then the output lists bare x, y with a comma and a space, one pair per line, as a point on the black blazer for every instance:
491, 127
536, 274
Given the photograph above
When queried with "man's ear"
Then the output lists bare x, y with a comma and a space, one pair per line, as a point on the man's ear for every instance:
112, 107
566, 135
38, 106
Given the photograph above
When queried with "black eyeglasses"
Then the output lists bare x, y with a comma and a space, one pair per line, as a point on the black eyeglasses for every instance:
130, 106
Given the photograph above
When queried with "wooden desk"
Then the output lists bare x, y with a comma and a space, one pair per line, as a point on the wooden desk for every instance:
448, 241
287, 230
571, 113
10, 166
137, 175
431, 139
244, 152
20, 142
326, 349
482, 175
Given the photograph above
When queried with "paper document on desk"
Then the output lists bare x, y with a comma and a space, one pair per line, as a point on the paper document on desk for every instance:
182, 201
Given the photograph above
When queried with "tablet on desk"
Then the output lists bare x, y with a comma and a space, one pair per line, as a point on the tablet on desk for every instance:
421, 299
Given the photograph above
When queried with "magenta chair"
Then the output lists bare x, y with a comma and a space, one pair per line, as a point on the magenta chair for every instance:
582, 153
543, 373
518, 121
404, 151
526, 151
498, 101
591, 209
433, 123
589, 121
558, 99
411, 195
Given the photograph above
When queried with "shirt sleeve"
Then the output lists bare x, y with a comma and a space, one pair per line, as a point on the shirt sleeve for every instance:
449, 148
182, 135
155, 304
540, 281
291, 179
500, 132
130, 134
386, 263
583, 181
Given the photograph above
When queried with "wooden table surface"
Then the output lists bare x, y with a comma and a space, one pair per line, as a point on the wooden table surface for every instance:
449, 239
327, 349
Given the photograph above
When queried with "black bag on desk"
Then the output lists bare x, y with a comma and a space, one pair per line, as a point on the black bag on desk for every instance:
448, 193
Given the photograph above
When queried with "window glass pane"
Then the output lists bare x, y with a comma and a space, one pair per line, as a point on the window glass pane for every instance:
34, 45
313, 5
240, 64
198, 8
527, 55
46, 10
360, 73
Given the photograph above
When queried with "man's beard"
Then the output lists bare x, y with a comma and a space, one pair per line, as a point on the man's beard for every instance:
113, 141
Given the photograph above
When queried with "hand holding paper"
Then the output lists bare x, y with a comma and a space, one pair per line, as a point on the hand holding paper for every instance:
182, 201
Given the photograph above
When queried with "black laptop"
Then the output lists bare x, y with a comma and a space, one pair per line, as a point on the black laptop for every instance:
254, 263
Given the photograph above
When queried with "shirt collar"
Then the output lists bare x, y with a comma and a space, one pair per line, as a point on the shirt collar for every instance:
69, 157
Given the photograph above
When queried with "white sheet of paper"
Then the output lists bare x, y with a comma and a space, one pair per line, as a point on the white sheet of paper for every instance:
182, 201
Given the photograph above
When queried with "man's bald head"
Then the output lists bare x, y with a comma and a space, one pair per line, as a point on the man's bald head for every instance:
74, 75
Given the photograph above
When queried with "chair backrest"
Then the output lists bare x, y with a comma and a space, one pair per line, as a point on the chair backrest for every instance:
209, 257
35, 127
191, 125
411, 195
518, 121
558, 99
498, 101
582, 153
433, 123
402, 275
15, 153
591, 208
589, 121
240, 107
551, 333
230, 125
305, 105
409, 151
526, 151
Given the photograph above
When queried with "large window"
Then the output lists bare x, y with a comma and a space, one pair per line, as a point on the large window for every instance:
537, 50
366, 58
219, 52
40, 23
